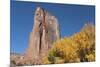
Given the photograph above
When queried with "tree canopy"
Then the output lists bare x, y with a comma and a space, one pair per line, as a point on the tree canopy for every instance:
80, 47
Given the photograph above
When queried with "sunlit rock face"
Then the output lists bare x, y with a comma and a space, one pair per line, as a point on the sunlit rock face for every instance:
45, 31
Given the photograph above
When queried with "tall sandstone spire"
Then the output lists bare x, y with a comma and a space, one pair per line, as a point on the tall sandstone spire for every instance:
45, 31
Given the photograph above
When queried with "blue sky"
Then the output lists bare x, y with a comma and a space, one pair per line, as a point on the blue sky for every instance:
70, 17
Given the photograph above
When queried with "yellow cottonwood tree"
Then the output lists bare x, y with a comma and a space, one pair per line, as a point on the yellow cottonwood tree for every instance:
79, 47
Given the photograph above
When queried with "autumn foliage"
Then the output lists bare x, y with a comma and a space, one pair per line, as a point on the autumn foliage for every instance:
80, 47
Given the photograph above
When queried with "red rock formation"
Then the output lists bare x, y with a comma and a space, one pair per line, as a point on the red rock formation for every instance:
45, 31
